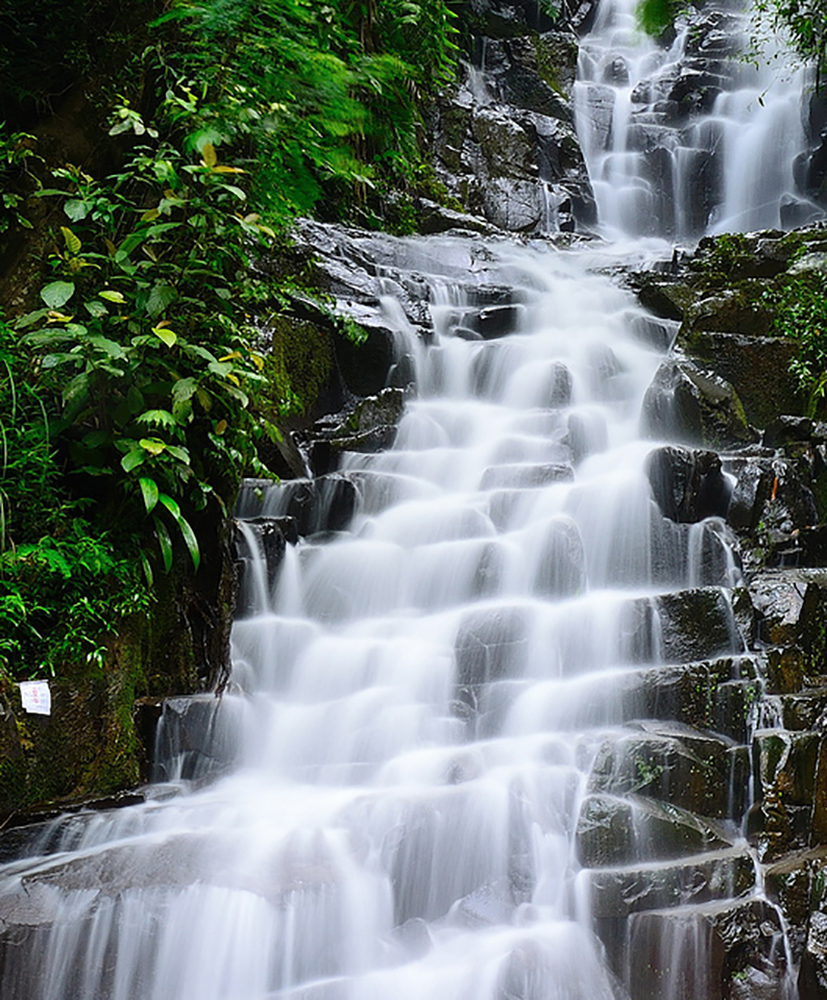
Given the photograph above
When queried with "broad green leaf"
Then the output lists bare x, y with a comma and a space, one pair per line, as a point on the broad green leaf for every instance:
132, 459
160, 297
76, 209
191, 541
95, 309
182, 411
153, 445
170, 504
150, 492
164, 334
147, 568
183, 389
164, 542
57, 293
72, 241
180, 453
111, 296
110, 348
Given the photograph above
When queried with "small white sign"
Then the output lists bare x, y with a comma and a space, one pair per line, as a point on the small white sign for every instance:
36, 697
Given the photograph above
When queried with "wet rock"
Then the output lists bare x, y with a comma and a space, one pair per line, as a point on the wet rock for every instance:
698, 772
770, 492
666, 299
714, 951
658, 334
505, 146
791, 607
194, 739
623, 891
757, 367
494, 321
514, 205
435, 218
785, 763
561, 571
696, 407
323, 504
812, 979
525, 476
688, 485
612, 831
696, 625
490, 645
587, 434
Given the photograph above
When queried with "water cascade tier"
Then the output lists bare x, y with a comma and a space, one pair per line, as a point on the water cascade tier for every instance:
689, 135
456, 758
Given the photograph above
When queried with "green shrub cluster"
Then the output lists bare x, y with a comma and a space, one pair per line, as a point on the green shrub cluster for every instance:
140, 379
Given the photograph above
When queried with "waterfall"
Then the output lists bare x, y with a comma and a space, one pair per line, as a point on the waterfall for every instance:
455, 757
686, 136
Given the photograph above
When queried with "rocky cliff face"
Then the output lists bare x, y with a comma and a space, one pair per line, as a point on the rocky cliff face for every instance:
503, 140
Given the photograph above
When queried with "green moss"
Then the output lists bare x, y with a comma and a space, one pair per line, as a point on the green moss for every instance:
298, 366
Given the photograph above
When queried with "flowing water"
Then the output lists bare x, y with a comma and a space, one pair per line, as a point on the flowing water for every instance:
690, 137
410, 785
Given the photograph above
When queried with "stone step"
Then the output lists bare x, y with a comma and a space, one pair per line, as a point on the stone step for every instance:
733, 950
619, 892
697, 771
614, 831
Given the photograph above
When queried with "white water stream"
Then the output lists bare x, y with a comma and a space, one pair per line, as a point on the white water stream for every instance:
690, 137
417, 702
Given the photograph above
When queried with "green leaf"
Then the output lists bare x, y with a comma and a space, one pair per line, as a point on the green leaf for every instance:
57, 293
164, 542
183, 389
157, 418
76, 209
164, 334
72, 241
150, 492
132, 459
153, 445
147, 568
111, 296
97, 310
180, 453
161, 296
186, 529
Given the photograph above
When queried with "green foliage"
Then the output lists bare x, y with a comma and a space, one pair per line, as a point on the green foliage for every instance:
16, 157
135, 391
64, 583
141, 339
655, 16
803, 23
723, 256
800, 307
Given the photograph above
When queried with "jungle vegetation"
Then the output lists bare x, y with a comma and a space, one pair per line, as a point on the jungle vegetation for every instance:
131, 367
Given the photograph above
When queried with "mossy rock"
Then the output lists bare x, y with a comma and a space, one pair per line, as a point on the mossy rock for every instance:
298, 366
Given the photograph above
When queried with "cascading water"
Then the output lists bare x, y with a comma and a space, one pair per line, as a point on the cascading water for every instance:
427, 778
686, 138
423, 698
